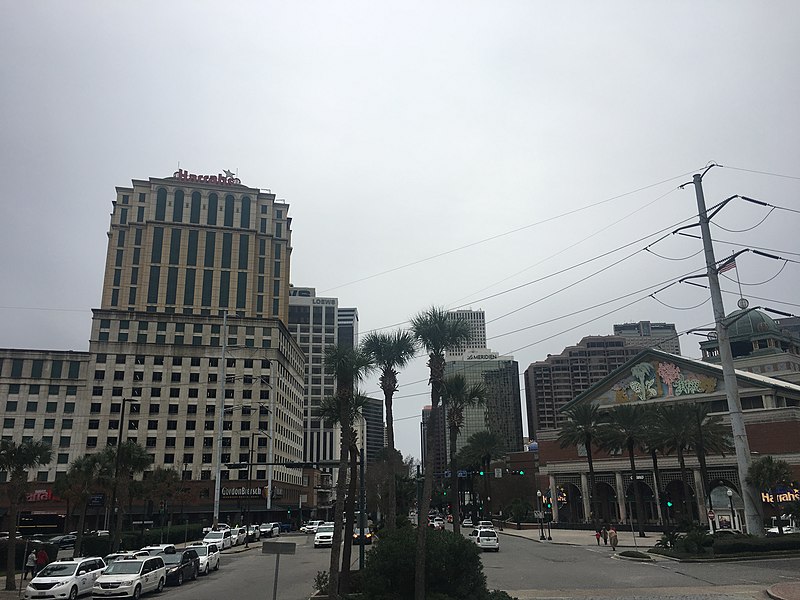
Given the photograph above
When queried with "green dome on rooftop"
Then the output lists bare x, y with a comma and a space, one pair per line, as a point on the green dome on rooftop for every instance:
754, 323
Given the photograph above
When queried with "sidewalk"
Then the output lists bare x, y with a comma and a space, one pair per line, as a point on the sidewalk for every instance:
572, 537
627, 540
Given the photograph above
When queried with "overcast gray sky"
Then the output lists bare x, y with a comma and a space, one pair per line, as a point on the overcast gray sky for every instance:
399, 131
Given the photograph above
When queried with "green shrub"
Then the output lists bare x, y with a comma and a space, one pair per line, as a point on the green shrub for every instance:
453, 567
500, 595
751, 544
695, 541
321, 582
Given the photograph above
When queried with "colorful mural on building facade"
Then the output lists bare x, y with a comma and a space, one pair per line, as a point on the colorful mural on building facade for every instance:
649, 380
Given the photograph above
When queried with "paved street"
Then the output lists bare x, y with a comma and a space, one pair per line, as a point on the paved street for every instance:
570, 566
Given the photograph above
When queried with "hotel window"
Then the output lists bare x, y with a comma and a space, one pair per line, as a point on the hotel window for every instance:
161, 205
137, 236
212, 210
227, 239
158, 242
194, 211
152, 291
11, 406
224, 288
263, 226
175, 247
51, 407
241, 291
8, 423
188, 288
114, 302
177, 207
228, 211
245, 212
172, 285
136, 255
140, 214
278, 230
210, 249
74, 369
123, 216
191, 250
55, 369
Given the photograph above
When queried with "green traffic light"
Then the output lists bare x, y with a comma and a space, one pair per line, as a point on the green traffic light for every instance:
480, 473
522, 472
669, 503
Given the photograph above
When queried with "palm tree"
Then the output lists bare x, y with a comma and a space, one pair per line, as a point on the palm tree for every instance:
15, 460
627, 431
675, 425
77, 485
389, 352
436, 331
127, 460
584, 427
766, 473
348, 366
456, 398
481, 448
709, 435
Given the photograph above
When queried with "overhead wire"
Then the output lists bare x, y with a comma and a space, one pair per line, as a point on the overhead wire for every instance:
744, 230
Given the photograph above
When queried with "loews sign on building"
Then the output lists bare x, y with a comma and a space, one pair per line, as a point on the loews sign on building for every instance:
226, 179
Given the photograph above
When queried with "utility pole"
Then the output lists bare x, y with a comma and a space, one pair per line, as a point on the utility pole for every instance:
220, 422
752, 511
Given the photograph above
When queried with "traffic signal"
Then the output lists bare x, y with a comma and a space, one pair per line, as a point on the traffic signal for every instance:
549, 504
444, 493
521, 472
669, 503
480, 472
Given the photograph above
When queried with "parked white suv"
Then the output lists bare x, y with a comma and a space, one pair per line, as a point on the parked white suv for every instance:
65, 579
222, 538
209, 556
324, 535
131, 578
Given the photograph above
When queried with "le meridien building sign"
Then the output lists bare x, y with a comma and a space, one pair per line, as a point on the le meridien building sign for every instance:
226, 179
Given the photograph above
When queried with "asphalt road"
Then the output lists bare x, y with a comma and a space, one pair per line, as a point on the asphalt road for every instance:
528, 569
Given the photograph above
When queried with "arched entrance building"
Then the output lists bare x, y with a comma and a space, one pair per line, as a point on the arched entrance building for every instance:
772, 418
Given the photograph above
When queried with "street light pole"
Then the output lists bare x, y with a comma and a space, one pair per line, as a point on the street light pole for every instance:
740, 442
541, 520
116, 472
271, 452
220, 422
729, 493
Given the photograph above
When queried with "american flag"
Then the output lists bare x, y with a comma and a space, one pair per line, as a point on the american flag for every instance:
731, 264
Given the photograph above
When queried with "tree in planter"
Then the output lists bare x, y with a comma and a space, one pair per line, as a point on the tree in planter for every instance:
519, 510
77, 486
766, 473
348, 366
436, 331
16, 459
458, 396
389, 352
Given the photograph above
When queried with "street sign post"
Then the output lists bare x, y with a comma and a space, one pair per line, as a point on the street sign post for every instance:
711, 515
277, 548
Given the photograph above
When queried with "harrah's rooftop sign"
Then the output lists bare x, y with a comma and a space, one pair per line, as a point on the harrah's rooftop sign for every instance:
218, 179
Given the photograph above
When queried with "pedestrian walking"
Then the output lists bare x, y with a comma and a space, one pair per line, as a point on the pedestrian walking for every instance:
597, 536
612, 537
30, 566
41, 559
604, 533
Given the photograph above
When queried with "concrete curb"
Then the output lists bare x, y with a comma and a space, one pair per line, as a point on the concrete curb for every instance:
784, 591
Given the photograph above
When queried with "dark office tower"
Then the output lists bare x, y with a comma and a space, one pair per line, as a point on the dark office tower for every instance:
551, 383
373, 420
348, 327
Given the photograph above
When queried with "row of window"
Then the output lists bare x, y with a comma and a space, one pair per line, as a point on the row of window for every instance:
36, 389
175, 392
177, 361
42, 369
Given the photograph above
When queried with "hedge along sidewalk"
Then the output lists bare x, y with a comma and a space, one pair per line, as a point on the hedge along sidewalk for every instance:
730, 557
583, 537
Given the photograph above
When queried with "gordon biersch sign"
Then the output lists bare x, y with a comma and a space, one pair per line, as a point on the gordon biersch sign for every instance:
226, 179
242, 492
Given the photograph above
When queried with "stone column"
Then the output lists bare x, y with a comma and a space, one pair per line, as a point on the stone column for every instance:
585, 497
623, 513
554, 497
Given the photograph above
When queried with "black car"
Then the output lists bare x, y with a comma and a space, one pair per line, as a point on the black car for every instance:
181, 565
64, 542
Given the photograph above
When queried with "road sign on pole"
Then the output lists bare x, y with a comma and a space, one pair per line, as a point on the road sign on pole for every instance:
711, 515
498, 472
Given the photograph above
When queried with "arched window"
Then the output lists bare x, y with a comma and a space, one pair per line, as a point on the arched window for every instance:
194, 211
245, 212
177, 206
228, 211
161, 204
212, 209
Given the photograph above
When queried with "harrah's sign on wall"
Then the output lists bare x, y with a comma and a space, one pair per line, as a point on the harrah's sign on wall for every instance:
218, 179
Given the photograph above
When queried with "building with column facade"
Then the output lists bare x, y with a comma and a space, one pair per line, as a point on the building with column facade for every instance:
772, 419
184, 251
645, 334
476, 319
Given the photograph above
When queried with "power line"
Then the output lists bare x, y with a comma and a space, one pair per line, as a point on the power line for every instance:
759, 172
506, 233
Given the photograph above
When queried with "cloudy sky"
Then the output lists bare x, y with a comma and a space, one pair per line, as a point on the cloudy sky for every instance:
509, 156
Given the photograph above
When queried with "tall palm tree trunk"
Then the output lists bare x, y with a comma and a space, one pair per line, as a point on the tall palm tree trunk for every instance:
79, 536
688, 511
659, 491
349, 509
593, 516
338, 515
391, 491
427, 489
454, 482
637, 493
